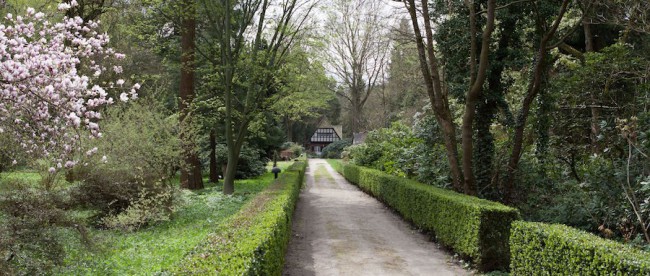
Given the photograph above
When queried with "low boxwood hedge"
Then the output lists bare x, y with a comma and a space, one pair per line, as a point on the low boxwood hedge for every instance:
555, 249
475, 228
254, 241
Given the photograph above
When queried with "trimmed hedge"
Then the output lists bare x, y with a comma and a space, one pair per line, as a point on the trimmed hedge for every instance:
254, 241
555, 249
475, 228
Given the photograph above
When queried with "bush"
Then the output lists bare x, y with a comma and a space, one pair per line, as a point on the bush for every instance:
554, 249
148, 207
142, 149
10, 151
335, 149
254, 241
389, 149
430, 153
142, 136
125, 199
29, 220
295, 148
476, 228
252, 162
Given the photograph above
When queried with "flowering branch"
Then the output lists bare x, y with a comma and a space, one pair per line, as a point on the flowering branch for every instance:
47, 101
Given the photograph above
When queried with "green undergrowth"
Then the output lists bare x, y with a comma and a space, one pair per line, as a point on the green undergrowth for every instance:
475, 228
154, 249
254, 241
27, 177
30, 177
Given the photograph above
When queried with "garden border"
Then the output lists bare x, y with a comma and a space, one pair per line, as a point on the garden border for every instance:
254, 241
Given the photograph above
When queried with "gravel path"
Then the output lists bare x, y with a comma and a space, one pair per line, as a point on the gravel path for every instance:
339, 230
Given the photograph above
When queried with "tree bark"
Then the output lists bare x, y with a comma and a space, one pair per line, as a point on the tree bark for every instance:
228, 61
595, 112
533, 89
356, 114
437, 97
475, 90
488, 107
191, 177
214, 169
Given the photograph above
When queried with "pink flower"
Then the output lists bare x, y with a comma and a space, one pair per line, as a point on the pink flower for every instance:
64, 6
124, 97
70, 164
45, 94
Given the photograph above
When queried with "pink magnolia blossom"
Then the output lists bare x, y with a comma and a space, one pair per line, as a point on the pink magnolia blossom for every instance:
50, 93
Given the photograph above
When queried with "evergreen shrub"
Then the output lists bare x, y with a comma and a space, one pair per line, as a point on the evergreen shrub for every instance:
295, 148
335, 149
475, 228
556, 249
254, 241
252, 162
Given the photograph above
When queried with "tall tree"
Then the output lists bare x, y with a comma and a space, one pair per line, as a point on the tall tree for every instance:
545, 33
89, 10
305, 94
478, 75
247, 42
358, 52
437, 90
191, 177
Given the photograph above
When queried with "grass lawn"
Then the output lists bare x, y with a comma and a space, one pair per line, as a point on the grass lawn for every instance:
156, 248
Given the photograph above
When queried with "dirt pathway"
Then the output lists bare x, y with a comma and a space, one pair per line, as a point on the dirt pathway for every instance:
339, 230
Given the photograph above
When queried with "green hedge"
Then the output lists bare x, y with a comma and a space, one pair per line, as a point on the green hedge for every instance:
254, 241
555, 249
475, 228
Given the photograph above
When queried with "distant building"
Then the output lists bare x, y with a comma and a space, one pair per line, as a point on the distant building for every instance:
324, 135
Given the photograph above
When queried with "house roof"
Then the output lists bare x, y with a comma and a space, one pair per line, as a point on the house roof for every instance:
325, 135
325, 123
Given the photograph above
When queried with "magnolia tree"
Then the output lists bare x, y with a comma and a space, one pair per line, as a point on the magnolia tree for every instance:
53, 84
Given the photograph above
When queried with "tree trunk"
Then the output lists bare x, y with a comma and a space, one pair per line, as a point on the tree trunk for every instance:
214, 169
231, 168
533, 90
432, 80
191, 168
595, 112
487, 109
227, 59
289, 130
475, 90
356, 111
